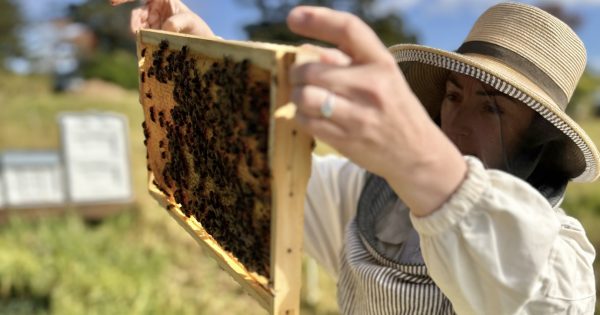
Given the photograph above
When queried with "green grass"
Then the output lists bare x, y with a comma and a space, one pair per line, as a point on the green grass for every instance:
136, 262
139, 261
117, 267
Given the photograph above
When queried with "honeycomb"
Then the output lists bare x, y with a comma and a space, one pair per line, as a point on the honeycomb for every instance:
206, 131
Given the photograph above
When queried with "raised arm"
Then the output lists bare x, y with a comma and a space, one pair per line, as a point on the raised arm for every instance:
491, 242
378, 122
498, 247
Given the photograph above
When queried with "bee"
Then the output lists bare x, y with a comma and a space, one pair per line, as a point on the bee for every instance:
171, 59
164, 44
152, 114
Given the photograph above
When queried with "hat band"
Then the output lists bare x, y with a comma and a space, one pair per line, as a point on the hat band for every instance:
519, 63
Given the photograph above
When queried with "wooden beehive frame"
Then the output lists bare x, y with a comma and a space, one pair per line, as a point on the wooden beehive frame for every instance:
289, 160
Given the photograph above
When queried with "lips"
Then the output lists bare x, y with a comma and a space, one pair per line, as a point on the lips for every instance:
456, 137
462, 141
455, 132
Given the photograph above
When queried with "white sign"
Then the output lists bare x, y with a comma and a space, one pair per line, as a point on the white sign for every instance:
32, 178
96, 155
2, 198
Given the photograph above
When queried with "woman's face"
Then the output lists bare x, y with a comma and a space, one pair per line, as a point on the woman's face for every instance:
483, 122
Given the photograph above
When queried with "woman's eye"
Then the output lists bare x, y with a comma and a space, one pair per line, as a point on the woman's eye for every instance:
493, 108
452, 97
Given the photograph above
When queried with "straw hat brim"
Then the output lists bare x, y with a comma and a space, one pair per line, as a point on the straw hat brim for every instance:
426, 69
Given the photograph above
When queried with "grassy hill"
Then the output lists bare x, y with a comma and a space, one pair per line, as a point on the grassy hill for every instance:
139, 261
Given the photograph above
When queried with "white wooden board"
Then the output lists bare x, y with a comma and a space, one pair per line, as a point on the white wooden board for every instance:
96, 155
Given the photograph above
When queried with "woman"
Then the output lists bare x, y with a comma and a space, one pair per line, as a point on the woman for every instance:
457, 163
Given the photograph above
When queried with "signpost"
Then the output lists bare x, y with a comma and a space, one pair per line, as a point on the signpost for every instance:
2, 198
32, 179
95, 150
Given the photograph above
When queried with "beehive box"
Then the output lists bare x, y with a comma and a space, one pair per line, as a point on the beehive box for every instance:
230, 173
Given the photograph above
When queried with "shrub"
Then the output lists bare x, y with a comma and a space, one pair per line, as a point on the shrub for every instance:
118, 67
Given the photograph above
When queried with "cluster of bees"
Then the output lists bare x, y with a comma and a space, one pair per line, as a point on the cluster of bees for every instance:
215, 148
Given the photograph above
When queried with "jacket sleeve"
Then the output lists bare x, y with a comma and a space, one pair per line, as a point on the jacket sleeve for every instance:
331, 200
498, 247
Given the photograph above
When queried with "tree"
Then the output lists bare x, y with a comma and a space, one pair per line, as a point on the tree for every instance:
110, 24
272, 26
11, 21
114, 59
572, 19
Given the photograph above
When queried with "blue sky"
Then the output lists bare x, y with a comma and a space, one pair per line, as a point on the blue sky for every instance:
438, 23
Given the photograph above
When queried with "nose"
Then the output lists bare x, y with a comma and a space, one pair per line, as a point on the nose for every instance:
461, 117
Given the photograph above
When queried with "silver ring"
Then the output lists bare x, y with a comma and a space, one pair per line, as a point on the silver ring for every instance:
328, 105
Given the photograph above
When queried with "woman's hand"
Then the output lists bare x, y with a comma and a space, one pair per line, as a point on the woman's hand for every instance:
168, 15
377, 121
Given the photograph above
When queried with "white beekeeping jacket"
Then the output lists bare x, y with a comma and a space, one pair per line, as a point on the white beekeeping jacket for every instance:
495, 247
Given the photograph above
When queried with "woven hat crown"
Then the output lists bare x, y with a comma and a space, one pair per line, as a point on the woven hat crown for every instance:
538, 45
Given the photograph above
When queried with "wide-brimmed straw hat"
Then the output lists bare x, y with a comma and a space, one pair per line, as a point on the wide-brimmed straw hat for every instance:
523, 52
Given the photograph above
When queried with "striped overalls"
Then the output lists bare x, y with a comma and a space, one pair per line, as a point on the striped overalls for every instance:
373, 284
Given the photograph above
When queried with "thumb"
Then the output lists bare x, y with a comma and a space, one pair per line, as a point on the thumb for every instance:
118, 2
187, 23
139, 19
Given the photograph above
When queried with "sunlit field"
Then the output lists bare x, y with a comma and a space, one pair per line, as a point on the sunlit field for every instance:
138, 261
